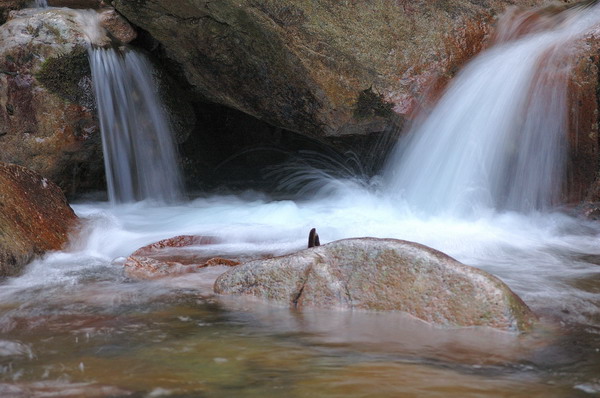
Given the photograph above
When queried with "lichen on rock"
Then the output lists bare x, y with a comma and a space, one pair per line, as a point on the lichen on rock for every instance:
68, 76
370, 104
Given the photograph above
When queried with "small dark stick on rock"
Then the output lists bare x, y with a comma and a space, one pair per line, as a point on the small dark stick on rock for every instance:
313, 238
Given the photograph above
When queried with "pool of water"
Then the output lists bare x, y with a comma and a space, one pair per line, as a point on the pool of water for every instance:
74, 325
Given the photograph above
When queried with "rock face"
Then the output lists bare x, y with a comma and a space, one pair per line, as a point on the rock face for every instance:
34, 217
324, 67
584, 118
47, 107
47, 120
383, 275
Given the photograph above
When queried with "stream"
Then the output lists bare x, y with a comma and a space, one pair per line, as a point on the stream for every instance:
74, 325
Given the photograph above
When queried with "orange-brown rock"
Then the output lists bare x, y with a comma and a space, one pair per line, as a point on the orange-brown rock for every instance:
173, 256
584, 141
117, 26
34, 217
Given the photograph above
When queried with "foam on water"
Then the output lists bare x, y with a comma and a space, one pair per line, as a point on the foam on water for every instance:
538, 255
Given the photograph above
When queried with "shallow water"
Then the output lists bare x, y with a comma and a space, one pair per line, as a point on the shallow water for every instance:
74, 325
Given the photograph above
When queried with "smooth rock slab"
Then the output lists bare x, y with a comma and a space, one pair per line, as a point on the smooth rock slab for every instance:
383, 275
172, 256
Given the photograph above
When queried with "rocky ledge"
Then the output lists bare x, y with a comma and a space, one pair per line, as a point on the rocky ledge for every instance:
382, 275
172, 256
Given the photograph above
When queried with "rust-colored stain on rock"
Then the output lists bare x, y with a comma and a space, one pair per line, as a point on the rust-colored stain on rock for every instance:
34, 217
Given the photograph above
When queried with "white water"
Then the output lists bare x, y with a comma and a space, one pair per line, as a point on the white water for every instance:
139, 153
539, 256
497, 137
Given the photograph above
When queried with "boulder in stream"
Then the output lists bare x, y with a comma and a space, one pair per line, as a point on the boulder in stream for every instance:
173, 256
34, 217
382, 275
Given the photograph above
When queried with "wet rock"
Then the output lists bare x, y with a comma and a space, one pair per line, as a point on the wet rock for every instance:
6, 6
173, 256
117, 26
584, 116
34, 217
382, 275
47, 119
84, 4
321, 68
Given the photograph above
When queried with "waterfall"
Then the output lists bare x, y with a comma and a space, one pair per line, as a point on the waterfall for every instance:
139, 153
497, 137
40, 3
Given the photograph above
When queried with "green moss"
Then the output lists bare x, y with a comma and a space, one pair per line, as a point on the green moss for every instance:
62, 75
370, 104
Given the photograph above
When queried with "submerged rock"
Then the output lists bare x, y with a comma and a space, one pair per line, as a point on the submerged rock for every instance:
34, 217
383, 275
172, 256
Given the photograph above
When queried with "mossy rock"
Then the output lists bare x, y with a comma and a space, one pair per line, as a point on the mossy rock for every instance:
370, 104
68, 76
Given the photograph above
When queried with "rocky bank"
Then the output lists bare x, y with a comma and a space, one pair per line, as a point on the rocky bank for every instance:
34, 217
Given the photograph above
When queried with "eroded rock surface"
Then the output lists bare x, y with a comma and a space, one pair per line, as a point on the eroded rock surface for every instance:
382, 275
172, 256
34, 217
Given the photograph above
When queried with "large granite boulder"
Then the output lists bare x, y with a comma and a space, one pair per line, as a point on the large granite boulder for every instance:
47, 119
382, 275
317, 67
331, 69
47, 105
34, 217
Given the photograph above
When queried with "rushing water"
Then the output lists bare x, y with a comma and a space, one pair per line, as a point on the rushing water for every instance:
497, 138
74, 325
139, 152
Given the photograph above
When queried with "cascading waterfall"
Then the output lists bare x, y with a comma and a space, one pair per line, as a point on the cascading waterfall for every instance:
139, 153
40, 3
497, 137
